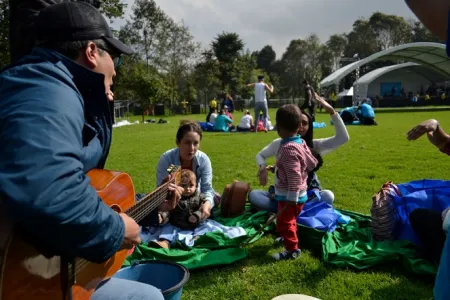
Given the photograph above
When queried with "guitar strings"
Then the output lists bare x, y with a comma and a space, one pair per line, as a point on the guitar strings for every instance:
82, 263
138, 213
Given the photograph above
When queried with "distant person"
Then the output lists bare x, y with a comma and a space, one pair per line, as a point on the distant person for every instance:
228, 102
227, 113
184, 104
223, 122
246, 123
310, 102
212, 104
260, 99
211, 117
366, 114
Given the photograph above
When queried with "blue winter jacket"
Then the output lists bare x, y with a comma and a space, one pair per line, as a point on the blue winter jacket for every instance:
55, 125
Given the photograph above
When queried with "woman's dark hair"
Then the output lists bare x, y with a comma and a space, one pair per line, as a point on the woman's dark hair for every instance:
319, 159
221, 112
308, 137
188, 126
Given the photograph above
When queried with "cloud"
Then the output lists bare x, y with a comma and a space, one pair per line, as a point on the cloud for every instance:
272, 22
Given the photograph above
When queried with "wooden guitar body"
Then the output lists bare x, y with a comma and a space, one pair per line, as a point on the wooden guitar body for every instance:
26, 274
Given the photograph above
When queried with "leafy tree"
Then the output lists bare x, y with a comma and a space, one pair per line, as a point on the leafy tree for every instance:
206, 75
227, 47
265, 58
390, 30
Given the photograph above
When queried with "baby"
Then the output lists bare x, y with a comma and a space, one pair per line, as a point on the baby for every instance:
186, 215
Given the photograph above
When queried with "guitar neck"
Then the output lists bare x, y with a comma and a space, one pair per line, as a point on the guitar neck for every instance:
149, 203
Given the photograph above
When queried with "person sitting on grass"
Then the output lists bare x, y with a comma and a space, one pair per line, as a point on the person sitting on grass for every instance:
432, 226
186, 215
226, 112
211, 117
223, 123
246, 123
294, 162
366, 114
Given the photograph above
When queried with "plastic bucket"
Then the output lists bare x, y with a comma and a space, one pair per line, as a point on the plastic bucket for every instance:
167, 276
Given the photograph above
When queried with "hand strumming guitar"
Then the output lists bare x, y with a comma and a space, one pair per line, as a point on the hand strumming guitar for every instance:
132, 231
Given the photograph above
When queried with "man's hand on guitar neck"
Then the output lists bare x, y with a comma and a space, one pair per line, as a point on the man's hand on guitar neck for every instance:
132, 231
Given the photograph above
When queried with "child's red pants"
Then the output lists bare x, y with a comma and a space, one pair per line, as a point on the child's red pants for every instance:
287, 224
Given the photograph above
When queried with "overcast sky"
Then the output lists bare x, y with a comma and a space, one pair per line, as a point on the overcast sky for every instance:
272, 22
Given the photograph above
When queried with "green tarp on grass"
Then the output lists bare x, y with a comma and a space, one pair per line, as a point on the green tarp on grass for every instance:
349, 246
352, 246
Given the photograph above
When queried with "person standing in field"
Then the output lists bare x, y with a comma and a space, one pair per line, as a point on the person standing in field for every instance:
260, 99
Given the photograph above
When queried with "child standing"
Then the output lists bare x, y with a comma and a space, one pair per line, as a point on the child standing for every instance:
294, 161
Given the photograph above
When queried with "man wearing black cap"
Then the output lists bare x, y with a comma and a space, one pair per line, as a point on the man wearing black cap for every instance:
55, 126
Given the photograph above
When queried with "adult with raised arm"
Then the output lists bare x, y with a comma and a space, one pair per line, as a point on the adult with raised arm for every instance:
261, 100
434, 14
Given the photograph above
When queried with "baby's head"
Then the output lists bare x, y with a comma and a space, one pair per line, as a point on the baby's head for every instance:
288, 120
188, 182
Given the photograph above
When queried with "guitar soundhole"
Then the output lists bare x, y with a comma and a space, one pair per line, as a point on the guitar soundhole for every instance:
116, 208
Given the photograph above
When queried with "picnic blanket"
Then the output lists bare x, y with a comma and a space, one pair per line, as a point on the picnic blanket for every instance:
211, 249
188, 237
352, 246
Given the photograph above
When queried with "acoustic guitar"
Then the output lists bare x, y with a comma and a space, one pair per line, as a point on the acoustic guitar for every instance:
25, 273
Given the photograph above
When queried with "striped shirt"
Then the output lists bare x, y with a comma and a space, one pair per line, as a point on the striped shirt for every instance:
294, 161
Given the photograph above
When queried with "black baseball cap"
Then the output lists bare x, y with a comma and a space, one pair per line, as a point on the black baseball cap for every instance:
75, 21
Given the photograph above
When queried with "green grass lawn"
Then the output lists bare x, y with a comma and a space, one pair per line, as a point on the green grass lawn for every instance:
354, 173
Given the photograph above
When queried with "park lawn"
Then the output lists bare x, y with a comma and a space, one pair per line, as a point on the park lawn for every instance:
354, 173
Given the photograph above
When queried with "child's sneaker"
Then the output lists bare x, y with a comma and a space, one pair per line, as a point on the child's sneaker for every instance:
279, 240
287, 255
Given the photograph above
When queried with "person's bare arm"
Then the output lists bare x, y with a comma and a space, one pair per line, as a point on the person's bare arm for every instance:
436, 135
309, 97
269, 88
251, 84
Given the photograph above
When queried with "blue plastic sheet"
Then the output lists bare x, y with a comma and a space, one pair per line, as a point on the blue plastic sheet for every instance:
319, 125
427, 193
206, 126
321, 216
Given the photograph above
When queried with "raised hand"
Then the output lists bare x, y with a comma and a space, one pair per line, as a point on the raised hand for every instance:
428, 126
328, 108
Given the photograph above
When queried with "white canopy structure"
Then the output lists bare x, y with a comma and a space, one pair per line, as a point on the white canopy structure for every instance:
344, 93
412, 76
432, 55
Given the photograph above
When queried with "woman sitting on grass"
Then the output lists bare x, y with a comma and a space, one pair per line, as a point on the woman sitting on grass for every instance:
188, 156
223, 123
262, 199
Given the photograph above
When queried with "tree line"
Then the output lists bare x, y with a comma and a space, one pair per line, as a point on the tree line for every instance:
170, 66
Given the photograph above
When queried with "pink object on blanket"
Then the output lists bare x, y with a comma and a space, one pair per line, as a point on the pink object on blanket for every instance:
132, 250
